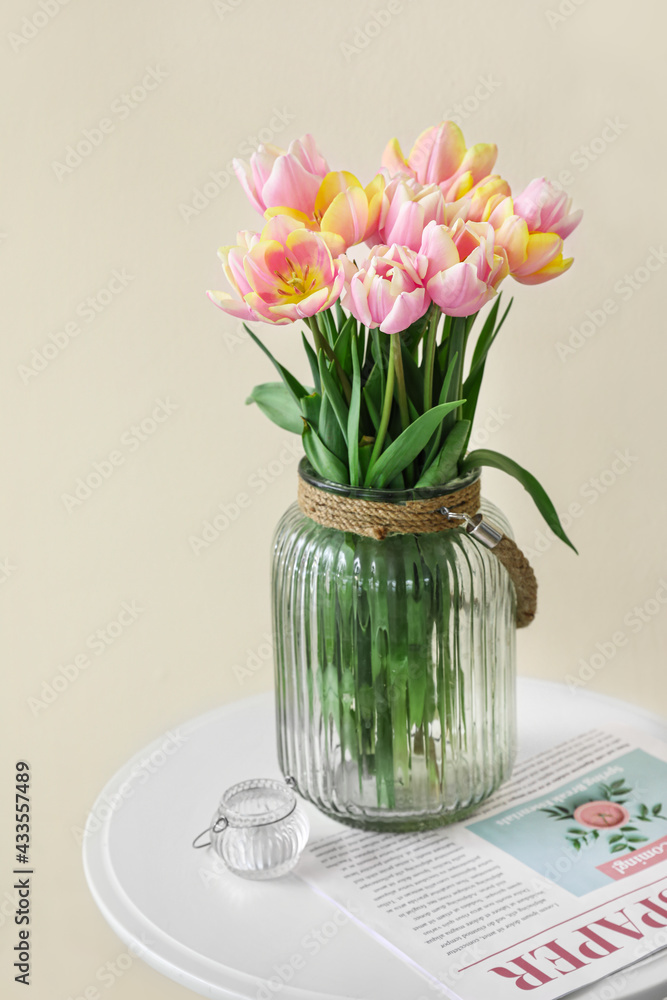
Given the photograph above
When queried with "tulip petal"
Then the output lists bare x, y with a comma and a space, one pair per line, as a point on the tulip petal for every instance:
306, 152
310, 251
437, 153
438, 247
513, 236
546, 273
335, 182
347, 215
568, 224
408, 307
393, 158
242, 172
459, 291
358, 301
291, 184
480, 160
541, 249
232, 306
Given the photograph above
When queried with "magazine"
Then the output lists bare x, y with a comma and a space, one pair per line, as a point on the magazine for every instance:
557, 881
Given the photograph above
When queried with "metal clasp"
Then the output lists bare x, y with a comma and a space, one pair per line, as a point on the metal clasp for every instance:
476, 527
219, 825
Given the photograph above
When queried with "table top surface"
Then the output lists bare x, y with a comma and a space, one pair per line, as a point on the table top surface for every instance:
221, 936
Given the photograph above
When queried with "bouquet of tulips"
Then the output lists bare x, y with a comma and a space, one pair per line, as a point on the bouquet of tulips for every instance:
392, 394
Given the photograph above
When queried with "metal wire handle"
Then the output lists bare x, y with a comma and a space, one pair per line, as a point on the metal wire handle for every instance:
222, 822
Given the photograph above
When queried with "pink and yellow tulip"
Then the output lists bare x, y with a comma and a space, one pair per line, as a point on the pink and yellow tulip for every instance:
283, 177
344, 212
439, 156
387, 291
284, 274
465, 266
533, 238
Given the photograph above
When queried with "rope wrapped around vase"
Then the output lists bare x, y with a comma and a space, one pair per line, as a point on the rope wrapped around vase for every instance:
376, 519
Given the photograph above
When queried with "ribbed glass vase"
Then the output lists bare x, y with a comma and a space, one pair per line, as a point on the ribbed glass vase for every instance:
395, 667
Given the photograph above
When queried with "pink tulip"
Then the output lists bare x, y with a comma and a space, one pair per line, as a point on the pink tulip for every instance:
278, 177
462, 287
387, 290
546, 209
284, 274
407, 207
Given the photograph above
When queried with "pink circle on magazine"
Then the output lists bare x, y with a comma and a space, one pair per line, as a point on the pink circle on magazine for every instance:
602, 815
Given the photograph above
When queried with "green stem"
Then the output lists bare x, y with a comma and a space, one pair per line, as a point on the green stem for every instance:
322, 344
386, 410
429, 357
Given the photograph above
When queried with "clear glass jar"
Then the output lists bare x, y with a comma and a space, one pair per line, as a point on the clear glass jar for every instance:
395, 667
258, 829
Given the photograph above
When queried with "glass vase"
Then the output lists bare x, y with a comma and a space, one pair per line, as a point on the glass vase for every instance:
395, 666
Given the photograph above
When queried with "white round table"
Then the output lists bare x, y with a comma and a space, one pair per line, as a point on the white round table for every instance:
221, 936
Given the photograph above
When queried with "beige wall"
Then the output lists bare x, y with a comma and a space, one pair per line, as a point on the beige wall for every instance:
222, 74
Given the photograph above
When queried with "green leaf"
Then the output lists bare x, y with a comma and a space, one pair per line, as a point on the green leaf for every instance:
456, 352
365, 452
628, 829
323, 460
619, 847
327, 324
495, 460
473, 383
433, 448
657, 809
635, 839
312, 361
408, 444
576, 831
343, 345
310, 409
277, 403
414, 379
335, 396
329, 431
414, 333
616, 838
445, 466
353, 416
292, 383
488, 334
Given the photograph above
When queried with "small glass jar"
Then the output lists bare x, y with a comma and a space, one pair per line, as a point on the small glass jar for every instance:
258, 829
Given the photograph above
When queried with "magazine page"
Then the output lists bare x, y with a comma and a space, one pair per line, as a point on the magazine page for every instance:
558, 881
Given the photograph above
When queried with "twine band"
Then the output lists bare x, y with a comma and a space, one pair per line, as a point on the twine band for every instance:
376, 519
